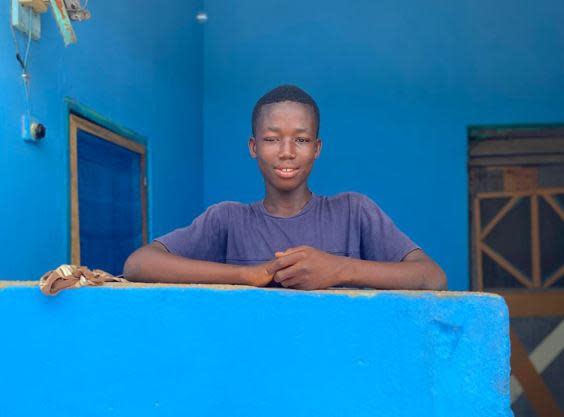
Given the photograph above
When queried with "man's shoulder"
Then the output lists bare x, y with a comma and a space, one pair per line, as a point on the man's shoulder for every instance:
228, 209
351, 198
227, 206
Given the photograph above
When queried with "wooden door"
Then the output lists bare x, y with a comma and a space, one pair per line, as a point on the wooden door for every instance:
517, 250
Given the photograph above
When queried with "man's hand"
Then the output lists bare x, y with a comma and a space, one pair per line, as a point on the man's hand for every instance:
257, 275
307, 268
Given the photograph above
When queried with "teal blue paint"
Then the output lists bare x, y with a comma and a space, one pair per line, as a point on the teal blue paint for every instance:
86, 112
205, 352
63, 22
126, 68
398, 82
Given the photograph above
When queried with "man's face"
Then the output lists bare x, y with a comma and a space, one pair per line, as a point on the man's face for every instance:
285, 144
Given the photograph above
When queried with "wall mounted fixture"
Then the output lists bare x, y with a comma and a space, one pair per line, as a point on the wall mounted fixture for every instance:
26, 16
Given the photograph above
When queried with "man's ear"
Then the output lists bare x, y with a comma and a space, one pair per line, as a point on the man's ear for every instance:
319, 145
253, 147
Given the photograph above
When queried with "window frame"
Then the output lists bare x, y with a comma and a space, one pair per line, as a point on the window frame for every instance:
77, 122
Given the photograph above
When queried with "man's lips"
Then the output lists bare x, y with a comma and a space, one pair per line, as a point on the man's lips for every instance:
286, 172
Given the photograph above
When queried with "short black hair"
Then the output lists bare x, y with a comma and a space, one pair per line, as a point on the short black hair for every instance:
285, 93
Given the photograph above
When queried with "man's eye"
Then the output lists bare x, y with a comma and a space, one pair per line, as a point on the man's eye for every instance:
270, 139
302, 140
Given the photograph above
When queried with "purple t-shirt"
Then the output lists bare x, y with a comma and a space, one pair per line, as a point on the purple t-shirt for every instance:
348, 224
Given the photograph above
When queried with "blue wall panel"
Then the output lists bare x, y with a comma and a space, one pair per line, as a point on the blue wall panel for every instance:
162, 351
135, 63
398, 83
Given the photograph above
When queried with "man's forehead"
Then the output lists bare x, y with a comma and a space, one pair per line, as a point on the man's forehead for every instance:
287, 107
273, 114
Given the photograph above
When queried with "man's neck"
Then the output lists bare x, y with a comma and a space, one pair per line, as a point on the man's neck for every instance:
289, 204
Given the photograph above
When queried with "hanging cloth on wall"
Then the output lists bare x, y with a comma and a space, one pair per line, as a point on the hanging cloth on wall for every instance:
74, 276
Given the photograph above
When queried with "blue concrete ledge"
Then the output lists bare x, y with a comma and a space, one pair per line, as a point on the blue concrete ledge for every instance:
156, 350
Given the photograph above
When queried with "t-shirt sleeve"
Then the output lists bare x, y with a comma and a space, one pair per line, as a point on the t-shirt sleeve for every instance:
205, 239
381, 240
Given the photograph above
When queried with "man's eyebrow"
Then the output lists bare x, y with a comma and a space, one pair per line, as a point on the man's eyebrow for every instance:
298, 129
273, 129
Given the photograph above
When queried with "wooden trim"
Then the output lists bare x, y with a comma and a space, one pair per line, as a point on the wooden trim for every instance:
521, 160
515, 131
536, 280
477, 250
505, 264
502, 194
537, 303
108, 135
500, 215
535, 242
550, 191
75, 220
554, 204
517, 147
143, 185
555, 276
75, 123
534, 387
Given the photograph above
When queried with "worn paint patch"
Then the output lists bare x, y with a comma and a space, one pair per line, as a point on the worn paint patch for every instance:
63, 21
333, 291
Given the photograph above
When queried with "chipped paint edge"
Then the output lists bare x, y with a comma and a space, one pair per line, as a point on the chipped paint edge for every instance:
63, 22
336, 291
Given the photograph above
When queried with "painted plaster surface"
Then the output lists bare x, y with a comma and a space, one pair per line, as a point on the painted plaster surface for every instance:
397, 82
206, 351
135, 66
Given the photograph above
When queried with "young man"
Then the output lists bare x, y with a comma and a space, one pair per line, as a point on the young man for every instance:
293, 238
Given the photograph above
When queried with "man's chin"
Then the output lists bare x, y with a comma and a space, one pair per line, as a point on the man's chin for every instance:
285, 186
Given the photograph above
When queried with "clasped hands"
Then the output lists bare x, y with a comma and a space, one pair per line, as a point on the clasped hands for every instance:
302, 268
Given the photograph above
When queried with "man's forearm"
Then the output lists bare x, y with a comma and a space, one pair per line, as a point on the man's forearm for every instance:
407, 275
151, 264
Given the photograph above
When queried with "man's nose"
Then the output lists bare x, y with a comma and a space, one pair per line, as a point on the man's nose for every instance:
287, 149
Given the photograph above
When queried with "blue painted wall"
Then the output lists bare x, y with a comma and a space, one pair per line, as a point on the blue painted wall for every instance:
179, 351
398, 82
136, 63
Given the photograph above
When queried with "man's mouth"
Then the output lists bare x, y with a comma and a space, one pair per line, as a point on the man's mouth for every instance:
286, 172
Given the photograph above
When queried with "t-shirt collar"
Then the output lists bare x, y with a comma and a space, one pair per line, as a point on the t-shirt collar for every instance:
312, 201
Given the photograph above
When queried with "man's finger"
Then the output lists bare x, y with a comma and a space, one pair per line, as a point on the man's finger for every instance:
286, 273
282, 262
289, 251
294, 282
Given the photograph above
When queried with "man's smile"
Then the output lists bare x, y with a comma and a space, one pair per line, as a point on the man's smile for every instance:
286, 172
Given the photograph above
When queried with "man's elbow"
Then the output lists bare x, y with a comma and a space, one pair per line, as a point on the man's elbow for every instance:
131, 268
439, 279
435, 279
141, 264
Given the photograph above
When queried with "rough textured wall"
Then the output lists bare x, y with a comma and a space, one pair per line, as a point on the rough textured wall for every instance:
398, 82
138, 64
203, 351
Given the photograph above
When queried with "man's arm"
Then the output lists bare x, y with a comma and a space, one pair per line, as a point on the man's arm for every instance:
154, 263
417, 271
308, 268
